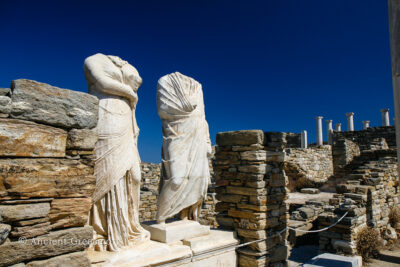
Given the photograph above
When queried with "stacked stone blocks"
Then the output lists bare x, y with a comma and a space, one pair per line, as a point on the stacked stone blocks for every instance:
46, 174
251, 187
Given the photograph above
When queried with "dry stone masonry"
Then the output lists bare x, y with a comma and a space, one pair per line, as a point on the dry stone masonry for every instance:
251, 187
46, 174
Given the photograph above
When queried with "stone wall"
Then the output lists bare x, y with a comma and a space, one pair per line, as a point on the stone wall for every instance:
149, 190
369, 191
347, 145
151, 173
251, 186
308, 167
46, 174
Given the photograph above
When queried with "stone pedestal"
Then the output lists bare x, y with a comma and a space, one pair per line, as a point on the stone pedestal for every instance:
215, 249
175, 231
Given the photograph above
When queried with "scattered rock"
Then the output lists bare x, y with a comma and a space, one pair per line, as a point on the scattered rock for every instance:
389, 233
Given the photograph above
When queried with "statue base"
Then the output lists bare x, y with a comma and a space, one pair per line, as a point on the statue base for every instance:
214, 249
174, 231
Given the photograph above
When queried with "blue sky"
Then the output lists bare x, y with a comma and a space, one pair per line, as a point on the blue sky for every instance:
270, 65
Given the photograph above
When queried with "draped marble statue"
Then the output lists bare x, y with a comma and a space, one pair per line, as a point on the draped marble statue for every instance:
115, 212
186, 147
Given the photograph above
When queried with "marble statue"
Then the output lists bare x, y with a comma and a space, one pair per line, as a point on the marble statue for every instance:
115, 212
186, 147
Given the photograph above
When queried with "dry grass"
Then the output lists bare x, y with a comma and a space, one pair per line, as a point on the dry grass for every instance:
394, 216
368, 243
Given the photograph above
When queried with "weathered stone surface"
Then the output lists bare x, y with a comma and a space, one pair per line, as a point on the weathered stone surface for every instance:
260, 234
31, 231
5, 91
10, 213
247, 137
258, 155
4, 231
27, 139
25, 201
5, 104
259, 168
52, 244
246, 214
81, 139
45, 178
245, 191
70, 212
31, 222
229, 198
309, 190
54, 106
76, 259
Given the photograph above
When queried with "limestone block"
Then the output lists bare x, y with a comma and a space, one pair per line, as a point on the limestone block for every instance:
43, 103
248, 191
5, 91
246, 214
280, 253
260, 234
257, 169
69, 212
5, 104
45, 178
10, 213
176, 230
30, 222
52, 244
31, 230
81, 139
258, 155
76, 259
28, 139
245, 138
4, 231
248, 261
217, 239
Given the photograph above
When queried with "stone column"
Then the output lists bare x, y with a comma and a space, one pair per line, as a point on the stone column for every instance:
350, 121
338, 127
304, 139
329, 131
385, 117
365, 124
319, 131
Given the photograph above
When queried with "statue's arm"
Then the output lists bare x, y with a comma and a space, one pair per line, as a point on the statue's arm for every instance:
106, 84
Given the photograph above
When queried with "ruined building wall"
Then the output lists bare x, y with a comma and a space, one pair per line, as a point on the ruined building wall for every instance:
251, 186
367, 184
347, 145
149, 191
46, 174
308, 167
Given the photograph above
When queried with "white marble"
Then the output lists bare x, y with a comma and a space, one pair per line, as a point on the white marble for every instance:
329, 131
174, 231
215, 249
304, 142
350, 121
365, 124
320, 140
338, 127
186, 147
385, 117
115, 212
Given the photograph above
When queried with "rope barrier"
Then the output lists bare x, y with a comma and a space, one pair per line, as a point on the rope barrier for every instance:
294, 229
